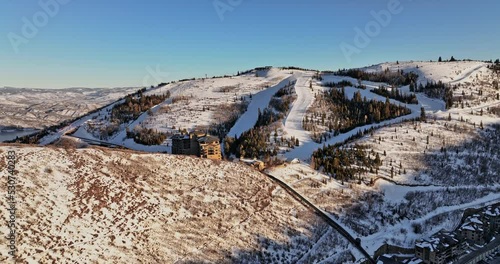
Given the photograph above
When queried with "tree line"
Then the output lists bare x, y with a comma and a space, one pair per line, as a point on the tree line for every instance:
340, 84
436, 90
397, 78
395, 94
147, 136
257, 142
345, 114
133, 107
346, 164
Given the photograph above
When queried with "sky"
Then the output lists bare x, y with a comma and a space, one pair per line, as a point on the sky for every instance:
125, 43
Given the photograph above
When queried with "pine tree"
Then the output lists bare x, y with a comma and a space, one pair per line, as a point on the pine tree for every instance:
423, 116
440, 59
378, 162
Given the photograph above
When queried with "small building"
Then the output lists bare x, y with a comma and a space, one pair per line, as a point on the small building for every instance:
256, 164
439, 248
473, 229
492, 219
197, 144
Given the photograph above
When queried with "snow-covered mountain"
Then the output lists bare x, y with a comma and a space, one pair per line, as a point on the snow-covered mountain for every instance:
38, 108
446, 72
222, 212
102, 206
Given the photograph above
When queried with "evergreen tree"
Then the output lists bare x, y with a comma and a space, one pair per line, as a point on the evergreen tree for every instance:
440, 59
378, 162
423, 116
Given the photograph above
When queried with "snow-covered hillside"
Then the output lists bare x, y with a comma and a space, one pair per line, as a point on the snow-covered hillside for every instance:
102, 206
446, 72
207, 101
449, 161
38, 108
406, 197
200, 104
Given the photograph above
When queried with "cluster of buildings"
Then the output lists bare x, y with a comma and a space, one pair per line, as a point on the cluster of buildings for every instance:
197, 144
470, 238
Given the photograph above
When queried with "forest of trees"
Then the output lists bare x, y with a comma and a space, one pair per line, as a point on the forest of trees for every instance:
148, 137
258, 142
340, 84
346, 164
132, 108
436, 90
397, 78
396, 95
345, 114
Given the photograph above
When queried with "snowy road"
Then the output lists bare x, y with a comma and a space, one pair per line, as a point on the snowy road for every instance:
469, 73
293, 123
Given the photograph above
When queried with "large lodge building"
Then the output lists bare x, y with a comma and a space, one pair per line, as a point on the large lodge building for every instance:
197, 144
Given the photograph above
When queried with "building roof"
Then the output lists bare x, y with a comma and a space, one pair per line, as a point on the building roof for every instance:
472, 227
208, 139
490, 211
179, 137
440, 241
199, 134
386, 259
472, 223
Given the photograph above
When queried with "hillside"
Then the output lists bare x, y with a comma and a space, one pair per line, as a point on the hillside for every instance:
38, 108
387, 169
428, 172
101, 206
446, 72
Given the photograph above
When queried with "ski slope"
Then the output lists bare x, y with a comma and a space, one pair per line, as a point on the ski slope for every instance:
259, 101
305, 150
293, 122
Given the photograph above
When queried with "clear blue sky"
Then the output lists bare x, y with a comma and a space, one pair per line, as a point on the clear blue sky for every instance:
91, 43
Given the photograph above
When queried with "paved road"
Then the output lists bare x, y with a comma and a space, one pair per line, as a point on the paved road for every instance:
98, 142
323, 215
475, 256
